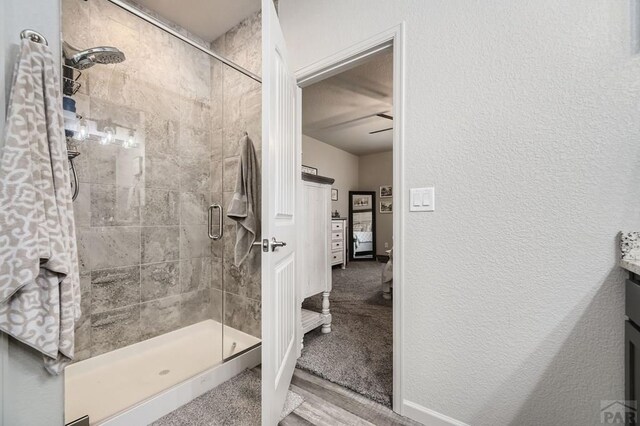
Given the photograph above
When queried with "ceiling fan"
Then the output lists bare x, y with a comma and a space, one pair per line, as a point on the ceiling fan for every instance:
383, 115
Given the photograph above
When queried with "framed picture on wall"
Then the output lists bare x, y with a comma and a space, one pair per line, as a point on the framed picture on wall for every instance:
362, 201
309, 170
386, 207
334, 194
386, 191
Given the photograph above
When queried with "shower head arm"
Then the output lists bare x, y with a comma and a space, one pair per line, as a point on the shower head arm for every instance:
68, 50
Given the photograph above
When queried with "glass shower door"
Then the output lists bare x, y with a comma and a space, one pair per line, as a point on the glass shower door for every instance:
241, 115
150, 165
162, 302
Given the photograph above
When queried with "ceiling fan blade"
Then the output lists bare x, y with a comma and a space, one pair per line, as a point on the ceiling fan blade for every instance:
337, 122
383, 115
379, 131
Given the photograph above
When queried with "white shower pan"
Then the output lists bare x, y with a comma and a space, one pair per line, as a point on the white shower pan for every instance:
140, 383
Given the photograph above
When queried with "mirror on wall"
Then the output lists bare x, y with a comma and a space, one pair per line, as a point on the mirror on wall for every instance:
362, 225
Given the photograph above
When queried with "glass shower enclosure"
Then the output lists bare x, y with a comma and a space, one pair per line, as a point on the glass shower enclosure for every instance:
158, 141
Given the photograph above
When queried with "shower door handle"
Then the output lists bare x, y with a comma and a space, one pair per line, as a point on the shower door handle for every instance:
213, 207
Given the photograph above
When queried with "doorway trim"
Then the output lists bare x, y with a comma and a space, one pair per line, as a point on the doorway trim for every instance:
340, 62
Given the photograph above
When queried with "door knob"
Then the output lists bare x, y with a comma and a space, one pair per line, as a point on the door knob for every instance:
275, 244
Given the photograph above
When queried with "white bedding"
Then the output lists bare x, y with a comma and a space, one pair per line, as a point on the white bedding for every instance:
364, 248
387, 272
363, 237
362, 242
387, 277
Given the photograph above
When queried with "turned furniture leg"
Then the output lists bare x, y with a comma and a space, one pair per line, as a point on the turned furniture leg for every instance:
326, 327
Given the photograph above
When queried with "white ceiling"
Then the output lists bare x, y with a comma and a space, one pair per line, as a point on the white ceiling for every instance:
341, 110
208, 19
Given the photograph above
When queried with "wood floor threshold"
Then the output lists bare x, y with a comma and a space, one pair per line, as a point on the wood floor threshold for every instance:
329, 404
294, 419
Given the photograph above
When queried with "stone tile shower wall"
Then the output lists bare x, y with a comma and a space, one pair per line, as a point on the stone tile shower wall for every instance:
147, 265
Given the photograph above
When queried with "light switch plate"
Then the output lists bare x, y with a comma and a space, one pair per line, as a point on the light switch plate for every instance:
422, 199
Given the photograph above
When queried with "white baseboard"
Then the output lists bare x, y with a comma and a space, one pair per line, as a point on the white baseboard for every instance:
428, 417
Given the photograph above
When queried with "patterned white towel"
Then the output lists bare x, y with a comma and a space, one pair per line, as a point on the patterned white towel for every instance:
39, 283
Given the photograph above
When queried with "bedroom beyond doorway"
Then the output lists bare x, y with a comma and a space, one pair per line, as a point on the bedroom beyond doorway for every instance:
347, 136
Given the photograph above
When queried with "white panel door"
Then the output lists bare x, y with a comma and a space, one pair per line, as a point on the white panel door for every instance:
281, 179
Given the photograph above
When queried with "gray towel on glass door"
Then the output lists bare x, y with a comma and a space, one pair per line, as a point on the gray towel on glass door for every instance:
39, 283
244, 207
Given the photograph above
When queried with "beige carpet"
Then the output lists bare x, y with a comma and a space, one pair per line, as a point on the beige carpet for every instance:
358, 353
235, 402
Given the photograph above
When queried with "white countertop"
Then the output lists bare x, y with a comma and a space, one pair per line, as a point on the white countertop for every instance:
632, 265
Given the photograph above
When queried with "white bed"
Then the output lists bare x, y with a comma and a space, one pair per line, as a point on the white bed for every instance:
387, 276
362, 242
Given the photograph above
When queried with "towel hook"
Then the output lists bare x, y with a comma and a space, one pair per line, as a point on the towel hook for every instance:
34, 36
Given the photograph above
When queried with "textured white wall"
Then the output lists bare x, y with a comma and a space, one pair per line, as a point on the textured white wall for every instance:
30, 396
376, 170
525, 116
334, 163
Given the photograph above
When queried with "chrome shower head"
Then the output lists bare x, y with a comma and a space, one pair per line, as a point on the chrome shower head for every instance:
83, 59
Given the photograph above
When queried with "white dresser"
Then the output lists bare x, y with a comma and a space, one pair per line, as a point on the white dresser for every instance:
316, 248
339, 242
